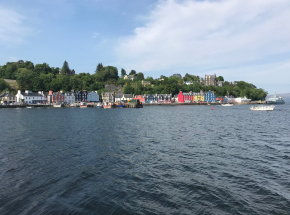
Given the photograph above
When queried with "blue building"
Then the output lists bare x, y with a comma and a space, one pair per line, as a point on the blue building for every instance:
93, 96
209, 96
150, 98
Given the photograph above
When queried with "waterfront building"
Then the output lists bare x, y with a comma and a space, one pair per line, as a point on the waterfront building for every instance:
198, 97
30, 98
118, 96
164, 98
242, 99
93, 96
126, 98
221, 99
140, 98
210, 80
209, 96
69, 98
185, 97
55, 97
150, 98
80, 96
7, 98
188, 97
108, 97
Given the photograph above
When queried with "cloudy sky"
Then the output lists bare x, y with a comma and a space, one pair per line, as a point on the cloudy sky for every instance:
238, 39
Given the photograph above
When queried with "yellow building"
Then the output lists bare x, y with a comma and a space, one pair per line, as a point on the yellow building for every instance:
198, 97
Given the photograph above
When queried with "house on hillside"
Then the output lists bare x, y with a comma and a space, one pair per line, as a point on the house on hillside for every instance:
131, 77
210, 80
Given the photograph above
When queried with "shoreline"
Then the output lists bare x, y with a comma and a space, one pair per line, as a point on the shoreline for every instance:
144, 104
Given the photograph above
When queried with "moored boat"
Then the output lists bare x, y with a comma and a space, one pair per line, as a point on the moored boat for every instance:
108, 105
83, 105
100, 105
263, 108
120, 104
58, 105
227, 105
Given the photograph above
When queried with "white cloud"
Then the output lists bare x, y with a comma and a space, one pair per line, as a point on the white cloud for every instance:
95, 34
206, 35
12, 28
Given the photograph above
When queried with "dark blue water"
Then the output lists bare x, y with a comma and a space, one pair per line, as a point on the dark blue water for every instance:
155, 160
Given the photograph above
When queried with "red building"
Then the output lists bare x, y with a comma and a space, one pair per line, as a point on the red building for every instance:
140, 98
185, 97
55, 97
180, 97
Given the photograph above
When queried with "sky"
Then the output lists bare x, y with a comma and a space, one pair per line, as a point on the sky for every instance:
241, 40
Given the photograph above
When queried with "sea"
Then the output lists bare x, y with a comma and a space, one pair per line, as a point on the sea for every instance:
153, 160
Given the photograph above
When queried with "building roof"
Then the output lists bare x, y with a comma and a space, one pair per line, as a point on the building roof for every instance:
127, 96
6, 94
31, 94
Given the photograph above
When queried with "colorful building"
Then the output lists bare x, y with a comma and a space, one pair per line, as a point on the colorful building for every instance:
209, 96
140, 98
164, 98
150, 98
93, 96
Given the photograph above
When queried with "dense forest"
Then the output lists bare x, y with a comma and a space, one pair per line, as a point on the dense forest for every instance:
42, 77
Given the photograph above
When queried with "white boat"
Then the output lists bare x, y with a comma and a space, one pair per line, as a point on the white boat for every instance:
83, 105
57, 105
263, 108
227, 105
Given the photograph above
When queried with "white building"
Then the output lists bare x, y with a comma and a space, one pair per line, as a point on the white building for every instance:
188, 82
131, 77
242, 99
69, 98
30, 98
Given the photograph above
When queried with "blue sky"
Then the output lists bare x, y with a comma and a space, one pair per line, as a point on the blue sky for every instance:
240, 40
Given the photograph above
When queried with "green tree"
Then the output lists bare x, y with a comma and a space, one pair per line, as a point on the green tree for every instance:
123, 72
42, 68
220, 78
25, 78
133, 72
128, 90
177, 76
99, 67
140, 76
65, 68
3, 85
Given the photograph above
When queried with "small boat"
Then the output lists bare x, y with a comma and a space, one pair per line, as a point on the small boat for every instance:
263, 108
109, 105
227, 105
120, 104
100, 105
83, 105
58, 105
29, 107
